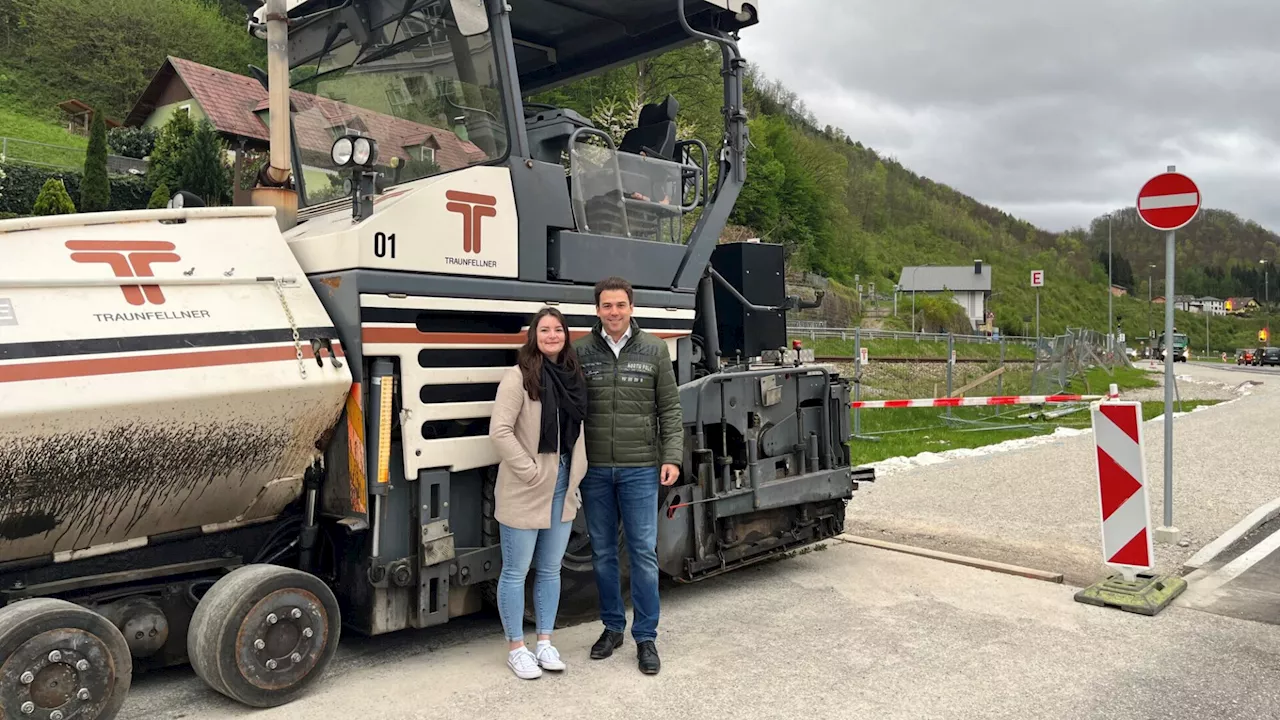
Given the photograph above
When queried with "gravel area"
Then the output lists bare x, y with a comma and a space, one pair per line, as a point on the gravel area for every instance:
1038, 505
1213, 384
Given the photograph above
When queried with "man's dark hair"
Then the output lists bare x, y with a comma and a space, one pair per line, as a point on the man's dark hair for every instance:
614, 283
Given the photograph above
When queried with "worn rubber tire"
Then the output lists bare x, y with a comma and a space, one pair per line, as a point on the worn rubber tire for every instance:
26, 620
229, 617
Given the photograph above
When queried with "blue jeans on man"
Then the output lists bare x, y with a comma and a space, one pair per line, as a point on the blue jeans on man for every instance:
629, 495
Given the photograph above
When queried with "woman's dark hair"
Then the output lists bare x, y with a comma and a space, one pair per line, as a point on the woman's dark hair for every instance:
529, 357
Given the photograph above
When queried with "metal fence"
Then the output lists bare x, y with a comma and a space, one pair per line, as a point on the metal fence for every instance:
61, 157
816, 329
939, 366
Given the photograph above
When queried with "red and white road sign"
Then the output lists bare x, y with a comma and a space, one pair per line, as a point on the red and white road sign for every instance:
1122, 485
1168, 201
1037, 278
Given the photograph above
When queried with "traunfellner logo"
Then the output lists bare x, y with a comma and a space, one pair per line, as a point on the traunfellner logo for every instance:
473, 208
127, 259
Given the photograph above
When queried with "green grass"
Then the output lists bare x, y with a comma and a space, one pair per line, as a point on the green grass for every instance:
1097, 380
911, 431
17, 126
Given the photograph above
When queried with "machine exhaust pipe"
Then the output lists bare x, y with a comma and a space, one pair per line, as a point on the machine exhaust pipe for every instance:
274, 188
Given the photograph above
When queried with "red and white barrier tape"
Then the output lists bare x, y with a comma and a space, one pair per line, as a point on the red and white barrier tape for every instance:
970, 401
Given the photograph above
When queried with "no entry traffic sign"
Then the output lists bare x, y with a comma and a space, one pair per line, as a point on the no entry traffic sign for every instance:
1122, 486
1168, 201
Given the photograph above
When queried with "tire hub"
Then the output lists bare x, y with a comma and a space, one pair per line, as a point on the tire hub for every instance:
58, 674
281, 639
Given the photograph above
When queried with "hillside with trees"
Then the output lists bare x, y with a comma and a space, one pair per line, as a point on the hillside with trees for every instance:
841, 209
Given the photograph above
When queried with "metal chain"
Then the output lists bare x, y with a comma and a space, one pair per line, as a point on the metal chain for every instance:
297, 343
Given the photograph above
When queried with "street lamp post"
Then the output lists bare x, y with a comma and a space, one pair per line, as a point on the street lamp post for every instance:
1111, 333
1266, 295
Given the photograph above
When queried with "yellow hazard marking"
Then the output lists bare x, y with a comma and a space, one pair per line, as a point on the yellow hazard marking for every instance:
355, 451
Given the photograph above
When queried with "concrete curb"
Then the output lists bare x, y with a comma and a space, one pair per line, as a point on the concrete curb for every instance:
1250, 523
973, 562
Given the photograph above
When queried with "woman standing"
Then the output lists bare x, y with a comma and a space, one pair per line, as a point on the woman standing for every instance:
536, 427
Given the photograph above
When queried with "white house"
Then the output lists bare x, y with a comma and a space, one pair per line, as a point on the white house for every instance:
971, 285
1213, 305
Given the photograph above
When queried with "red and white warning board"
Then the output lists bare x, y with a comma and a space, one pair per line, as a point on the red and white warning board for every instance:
1122, 485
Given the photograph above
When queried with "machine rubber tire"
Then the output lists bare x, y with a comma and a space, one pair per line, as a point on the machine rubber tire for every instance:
236, 613
579, 599
91, 655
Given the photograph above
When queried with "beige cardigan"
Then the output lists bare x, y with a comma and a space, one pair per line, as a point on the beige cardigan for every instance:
526, 480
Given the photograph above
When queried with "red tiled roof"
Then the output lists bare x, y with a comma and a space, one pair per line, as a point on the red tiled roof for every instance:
230, 101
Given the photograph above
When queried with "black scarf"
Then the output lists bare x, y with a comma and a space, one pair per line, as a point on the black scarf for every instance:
564, 405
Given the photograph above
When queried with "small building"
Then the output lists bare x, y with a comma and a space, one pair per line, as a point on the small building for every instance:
1118, 291
1158, 300
78, 117
1213, 305
970, 284
1241, 305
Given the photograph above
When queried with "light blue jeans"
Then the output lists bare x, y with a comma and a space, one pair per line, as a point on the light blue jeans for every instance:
544, 549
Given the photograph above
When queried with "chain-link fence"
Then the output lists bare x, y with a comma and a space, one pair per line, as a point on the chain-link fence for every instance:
942, 366
61, 157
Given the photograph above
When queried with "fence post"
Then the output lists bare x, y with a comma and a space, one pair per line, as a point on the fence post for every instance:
1000, 377
857, 380
951, 366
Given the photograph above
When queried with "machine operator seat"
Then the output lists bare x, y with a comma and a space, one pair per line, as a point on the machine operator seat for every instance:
655, 133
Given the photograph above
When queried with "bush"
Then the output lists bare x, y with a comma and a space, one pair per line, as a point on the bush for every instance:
95, 188
133, 142
22, 185
159, 198
53, 199
202, 168
165, 166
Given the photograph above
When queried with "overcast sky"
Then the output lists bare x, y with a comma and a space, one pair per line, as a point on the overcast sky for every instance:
1053, 111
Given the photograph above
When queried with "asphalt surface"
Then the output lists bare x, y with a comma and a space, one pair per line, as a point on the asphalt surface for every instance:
1243, 581
1038, 506
850, 632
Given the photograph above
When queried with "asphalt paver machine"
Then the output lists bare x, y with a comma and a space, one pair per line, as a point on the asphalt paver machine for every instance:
229, 434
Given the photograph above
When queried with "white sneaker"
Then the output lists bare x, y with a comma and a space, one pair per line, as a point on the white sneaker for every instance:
549, 658
524, 664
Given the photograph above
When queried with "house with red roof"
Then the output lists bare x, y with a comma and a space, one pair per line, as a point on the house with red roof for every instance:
237, 107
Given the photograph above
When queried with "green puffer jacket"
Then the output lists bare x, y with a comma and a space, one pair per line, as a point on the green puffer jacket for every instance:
634, 418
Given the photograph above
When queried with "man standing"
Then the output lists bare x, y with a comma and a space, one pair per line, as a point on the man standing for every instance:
634, 424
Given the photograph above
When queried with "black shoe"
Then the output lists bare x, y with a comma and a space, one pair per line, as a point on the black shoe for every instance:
647, 654
608, 642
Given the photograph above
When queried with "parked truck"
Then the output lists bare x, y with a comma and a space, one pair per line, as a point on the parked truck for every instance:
229, 434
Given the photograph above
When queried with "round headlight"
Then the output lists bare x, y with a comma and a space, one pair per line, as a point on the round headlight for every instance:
363, 152
341, 151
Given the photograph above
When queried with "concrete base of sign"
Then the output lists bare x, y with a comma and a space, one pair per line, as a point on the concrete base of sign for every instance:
1167, 535
1146, 595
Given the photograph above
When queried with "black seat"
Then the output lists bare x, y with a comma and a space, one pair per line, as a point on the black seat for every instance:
655, 133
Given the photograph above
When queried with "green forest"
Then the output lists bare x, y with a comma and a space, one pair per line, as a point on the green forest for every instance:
841, 209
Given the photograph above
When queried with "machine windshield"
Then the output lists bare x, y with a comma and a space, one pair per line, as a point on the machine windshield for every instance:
426, 93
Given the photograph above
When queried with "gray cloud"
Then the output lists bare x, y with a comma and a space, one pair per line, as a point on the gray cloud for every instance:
1052, 111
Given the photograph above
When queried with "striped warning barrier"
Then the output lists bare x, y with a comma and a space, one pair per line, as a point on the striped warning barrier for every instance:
1122, 487
975, 401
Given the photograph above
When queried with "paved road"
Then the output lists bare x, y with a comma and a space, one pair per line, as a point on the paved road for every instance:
1242, 582
1038, 506
850, 632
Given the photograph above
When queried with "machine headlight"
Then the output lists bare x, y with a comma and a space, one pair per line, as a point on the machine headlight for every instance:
341, 151
354, 151
366, 151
